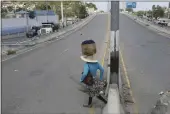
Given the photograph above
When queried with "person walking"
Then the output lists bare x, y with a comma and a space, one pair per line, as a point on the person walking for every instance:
91, 66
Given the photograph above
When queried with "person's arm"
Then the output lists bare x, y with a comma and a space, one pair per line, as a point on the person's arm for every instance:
101, 71
85, 72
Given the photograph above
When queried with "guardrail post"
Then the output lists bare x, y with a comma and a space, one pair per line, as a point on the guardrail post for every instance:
114, 49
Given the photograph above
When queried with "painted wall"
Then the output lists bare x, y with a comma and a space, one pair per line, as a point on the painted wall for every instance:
15, 25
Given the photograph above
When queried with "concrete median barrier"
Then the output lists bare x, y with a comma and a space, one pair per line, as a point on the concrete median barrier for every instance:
113, 106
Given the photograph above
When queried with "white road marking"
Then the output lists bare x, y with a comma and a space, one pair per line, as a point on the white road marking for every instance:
64, 51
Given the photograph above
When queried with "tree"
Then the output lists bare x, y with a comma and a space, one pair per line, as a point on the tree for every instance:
71, 8
3, 12
101, 11
10, 8
31, 15
19, 9
91, 5
43, 6
149, 14
83, 12
129, 9
158, 11
140, 13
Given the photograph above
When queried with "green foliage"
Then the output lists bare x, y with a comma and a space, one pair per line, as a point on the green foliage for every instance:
149, 14
10, 8
129, 9
10, 52
91, 5
3, 12
31, 15
140, 13
83, 13
20, 9
158, 11
70, 8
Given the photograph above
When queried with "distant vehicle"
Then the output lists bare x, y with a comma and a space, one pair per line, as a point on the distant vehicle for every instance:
36, 27
140, 16
163, 22
169, 24
33, 32
46, 29
135, 18
54, 26
149, 19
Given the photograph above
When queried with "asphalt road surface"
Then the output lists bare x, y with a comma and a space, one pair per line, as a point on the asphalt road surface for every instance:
38, 82
147, 59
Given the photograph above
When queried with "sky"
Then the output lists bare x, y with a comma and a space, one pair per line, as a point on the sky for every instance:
140, 5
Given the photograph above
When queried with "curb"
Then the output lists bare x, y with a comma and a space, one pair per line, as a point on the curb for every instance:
150, 25
154, 27
50, 39
113, 106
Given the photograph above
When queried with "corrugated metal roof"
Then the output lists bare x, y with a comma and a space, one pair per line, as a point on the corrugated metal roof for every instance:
44, 12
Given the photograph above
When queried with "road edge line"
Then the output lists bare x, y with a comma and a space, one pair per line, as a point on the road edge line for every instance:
135, 108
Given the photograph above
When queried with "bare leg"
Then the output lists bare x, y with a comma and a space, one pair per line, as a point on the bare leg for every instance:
102, 99
89, 103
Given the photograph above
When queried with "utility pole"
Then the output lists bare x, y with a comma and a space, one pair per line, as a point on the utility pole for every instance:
47, 10
27, 21
114, 44
169, 11
62, 16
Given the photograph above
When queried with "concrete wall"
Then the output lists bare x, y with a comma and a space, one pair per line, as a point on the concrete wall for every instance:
13, 25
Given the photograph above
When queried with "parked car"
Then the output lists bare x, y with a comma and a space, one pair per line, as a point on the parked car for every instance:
135, 18
46, 29
33, 32
163, 21
54, 26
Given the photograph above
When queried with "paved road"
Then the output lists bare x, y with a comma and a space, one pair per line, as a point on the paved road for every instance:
147, 58
39, 81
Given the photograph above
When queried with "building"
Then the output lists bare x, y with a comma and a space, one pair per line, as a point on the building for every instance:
19, 24
21, 14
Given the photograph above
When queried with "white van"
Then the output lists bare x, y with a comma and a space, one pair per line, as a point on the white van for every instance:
163, 21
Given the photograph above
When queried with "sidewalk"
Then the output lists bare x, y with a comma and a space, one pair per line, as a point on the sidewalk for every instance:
155, 26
